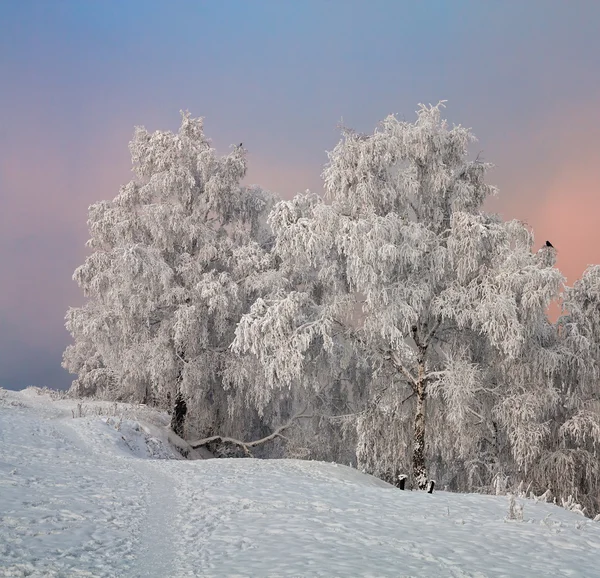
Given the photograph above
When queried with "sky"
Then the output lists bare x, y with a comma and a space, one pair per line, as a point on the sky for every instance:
76, 77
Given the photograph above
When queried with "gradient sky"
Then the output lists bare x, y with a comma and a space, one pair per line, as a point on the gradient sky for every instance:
77, 76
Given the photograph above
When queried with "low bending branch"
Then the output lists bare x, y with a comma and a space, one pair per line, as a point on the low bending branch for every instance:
251, 444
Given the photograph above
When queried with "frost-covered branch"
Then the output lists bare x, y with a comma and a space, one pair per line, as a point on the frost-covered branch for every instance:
246, 446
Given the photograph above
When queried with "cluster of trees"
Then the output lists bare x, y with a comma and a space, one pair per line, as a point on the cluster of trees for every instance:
392, 322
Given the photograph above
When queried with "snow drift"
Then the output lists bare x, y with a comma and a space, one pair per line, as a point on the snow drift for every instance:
105, 495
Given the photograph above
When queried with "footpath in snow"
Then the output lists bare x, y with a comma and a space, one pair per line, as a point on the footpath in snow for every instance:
101, 496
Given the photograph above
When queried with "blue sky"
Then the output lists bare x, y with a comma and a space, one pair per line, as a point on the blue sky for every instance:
279, 76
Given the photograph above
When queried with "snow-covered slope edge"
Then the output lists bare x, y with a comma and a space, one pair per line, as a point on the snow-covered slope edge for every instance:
78, 497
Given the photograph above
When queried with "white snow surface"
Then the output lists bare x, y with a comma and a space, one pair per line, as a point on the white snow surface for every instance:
107, 496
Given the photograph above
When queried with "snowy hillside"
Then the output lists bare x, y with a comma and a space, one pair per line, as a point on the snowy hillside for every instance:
83, 497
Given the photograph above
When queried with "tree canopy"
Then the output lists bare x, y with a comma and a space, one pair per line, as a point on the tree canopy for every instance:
177, 257
439, 297
392, 322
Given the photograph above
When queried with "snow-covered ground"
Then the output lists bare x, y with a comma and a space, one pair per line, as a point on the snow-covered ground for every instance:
91, 496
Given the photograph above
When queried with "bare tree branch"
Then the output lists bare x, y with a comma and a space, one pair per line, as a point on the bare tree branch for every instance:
251, 444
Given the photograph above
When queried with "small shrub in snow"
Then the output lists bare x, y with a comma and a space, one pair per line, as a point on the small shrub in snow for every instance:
515, 510
553, 526
500, 483
572, 506
53, 393
545, 497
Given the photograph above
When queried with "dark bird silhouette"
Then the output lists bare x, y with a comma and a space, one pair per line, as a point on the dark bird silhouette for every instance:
549, 244
241, 145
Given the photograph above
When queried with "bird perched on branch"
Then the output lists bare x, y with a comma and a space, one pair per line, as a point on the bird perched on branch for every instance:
549, 244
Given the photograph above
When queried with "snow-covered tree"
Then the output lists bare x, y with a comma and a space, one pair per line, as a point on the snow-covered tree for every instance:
400, 269
178, 256
570, 463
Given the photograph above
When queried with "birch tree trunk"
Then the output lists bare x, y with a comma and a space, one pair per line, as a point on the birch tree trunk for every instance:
419, 469
179, 409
